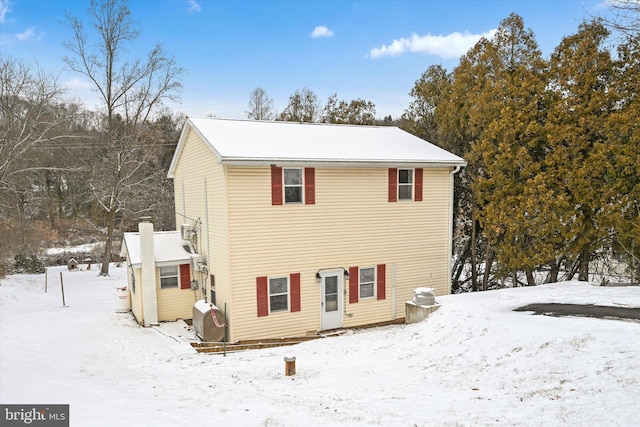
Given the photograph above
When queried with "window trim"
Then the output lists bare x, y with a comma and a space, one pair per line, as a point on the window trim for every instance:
404, 185
287, 293
301, 186
176, 275
373, 283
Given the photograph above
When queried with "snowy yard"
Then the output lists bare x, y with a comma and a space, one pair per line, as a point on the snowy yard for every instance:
474, 362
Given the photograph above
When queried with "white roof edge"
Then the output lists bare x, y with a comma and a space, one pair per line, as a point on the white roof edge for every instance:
345, 162
188, 125
263, 143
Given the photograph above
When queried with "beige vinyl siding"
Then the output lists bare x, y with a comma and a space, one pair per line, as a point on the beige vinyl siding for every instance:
198, 168
174, 303
351, 224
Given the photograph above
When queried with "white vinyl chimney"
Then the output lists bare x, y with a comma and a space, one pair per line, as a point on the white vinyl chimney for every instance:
147, 258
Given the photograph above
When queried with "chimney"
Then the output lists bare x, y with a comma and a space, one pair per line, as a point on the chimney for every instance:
148, 272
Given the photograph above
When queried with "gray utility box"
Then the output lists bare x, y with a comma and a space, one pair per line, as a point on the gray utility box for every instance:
207, 328
424, 296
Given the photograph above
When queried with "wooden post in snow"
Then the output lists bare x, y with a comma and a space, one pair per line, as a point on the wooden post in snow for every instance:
46, 270
62, 287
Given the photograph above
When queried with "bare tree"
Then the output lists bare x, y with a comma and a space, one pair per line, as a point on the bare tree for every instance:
32, 128
260, 105
355, 112
302, 107
626, 16
131, 92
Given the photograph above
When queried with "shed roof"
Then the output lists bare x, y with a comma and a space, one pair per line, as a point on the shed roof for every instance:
167, 247
247, 142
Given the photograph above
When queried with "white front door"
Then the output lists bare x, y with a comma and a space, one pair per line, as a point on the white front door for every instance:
332, 300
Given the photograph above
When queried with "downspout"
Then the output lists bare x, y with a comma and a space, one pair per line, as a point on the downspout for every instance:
450, 240
206, 291
184, 202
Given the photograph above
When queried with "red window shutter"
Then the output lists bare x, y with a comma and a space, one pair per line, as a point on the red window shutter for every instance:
393, 184
294, 284
276, 185
185, 276
310, 186
418, 184
263, 295
381, 281
354, 281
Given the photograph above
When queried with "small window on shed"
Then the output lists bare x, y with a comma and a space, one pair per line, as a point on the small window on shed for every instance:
169, 277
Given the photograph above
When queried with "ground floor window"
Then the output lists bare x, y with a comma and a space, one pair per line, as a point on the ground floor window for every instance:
278, 294
367, 282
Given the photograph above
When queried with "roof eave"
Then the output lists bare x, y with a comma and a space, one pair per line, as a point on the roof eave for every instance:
188, 125
246, 161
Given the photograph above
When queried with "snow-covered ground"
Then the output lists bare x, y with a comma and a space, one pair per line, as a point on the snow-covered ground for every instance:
474, 362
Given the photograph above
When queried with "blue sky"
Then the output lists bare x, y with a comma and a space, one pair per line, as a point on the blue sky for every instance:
371, 49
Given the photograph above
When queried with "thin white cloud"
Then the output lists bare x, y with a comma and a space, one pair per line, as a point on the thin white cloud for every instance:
28, 35
76, 84
446, 46
193, 6
321, 31
4, 9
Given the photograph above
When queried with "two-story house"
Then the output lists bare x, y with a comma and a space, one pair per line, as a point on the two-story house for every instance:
304, 227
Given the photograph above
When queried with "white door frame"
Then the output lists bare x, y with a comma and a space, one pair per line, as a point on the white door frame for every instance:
334, 318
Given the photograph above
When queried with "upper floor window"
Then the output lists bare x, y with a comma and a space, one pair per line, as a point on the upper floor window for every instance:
293, 185
405, 184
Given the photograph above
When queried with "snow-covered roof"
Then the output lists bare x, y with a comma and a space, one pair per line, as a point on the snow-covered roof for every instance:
168, 246
247, 142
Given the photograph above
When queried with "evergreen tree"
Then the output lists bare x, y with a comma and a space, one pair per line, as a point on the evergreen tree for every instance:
621, 193
580, 100
511, 149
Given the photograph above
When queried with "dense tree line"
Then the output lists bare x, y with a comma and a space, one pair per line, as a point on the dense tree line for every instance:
56, 169
304, 107
552, 147
101, 168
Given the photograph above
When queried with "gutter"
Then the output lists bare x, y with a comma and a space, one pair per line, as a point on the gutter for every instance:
450, 240
389, 163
